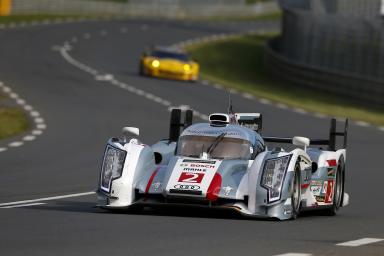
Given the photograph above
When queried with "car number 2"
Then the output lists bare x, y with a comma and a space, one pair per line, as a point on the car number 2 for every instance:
190, 177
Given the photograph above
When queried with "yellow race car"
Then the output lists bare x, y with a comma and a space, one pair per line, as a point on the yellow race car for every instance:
170, 63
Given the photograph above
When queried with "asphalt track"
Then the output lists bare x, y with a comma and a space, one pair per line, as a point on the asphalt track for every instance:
81, 112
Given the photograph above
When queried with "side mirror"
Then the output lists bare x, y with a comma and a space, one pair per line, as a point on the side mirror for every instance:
128, 131
301, 142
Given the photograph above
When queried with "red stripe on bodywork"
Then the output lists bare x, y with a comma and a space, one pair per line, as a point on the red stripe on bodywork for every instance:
150, 181
332, 162
304, 186
214, 188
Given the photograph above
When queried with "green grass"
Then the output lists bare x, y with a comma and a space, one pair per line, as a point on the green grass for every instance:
238, 63
13, 121
273, 16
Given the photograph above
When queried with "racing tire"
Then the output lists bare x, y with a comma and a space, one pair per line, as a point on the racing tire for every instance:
338, 190
296, 193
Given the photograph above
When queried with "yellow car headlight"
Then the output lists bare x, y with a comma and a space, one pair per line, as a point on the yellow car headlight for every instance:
187, 67
155, 63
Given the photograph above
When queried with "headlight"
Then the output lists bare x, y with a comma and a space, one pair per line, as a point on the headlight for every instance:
155, 63
186, 67
112, 167
273, 176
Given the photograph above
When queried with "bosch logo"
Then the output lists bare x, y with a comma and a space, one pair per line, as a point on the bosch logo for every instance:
187, 187
203, 166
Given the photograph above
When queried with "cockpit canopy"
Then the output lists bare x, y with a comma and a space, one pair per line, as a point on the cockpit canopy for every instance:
230, 142
227, 148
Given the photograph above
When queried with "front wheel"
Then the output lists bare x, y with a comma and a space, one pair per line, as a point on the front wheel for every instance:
296, 192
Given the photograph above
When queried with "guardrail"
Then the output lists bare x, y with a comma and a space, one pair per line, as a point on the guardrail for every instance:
334, 46
146, 8
353, 87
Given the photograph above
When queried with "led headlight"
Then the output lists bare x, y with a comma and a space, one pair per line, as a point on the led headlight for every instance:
186, 67
273, 176
155, 63
112, 167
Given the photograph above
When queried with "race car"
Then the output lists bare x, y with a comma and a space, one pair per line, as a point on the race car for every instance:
225, 164
170, 63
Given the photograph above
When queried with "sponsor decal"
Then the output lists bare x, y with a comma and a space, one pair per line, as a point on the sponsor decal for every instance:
214, 132
198, 161
330, 189
316, 190
319, 199
316, 187
325, 185
186, 187
331, 172
208, 166
227, 190
189, 169
332, 162
189, 177
156, 186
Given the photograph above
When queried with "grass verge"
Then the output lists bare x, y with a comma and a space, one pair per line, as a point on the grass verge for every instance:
273, 16
13, 121
238, 63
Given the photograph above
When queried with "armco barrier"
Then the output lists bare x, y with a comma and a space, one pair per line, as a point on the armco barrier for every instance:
353, 87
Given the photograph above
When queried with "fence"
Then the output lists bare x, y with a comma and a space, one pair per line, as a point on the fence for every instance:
145, 8
337, 46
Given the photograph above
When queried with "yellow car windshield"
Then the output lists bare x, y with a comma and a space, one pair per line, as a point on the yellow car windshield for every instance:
170, 55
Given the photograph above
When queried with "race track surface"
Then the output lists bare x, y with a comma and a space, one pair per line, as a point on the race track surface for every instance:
83, 80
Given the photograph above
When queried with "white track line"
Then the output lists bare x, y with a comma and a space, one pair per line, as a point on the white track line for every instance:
294, 254
21, 205
15, 144
360, 242
109, 78
46, 199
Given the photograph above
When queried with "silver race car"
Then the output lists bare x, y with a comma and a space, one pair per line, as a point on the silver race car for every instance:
225, 163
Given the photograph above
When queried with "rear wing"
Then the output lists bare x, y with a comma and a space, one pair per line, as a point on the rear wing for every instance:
176, 124
252, 121
330, 142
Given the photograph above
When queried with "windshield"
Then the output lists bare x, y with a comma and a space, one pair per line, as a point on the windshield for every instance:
170, 55
224, 148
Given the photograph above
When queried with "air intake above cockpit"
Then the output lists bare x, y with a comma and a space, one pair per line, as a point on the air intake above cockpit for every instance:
219, 119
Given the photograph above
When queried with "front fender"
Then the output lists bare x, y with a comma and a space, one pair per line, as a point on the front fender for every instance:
139, 160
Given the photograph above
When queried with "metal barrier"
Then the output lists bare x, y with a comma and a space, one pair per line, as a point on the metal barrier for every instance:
332, 47
146, 8
351, 87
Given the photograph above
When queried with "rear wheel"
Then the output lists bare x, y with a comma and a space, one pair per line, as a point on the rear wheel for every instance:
296, 192
338, 189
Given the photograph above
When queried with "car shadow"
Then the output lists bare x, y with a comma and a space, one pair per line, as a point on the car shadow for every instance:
168, 211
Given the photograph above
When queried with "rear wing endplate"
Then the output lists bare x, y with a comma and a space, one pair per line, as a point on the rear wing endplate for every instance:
176, 124
330, 142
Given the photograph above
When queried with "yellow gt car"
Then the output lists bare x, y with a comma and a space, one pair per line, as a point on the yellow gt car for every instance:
168, 63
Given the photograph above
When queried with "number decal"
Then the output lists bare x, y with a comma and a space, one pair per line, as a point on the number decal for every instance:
190, 177
330, 189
